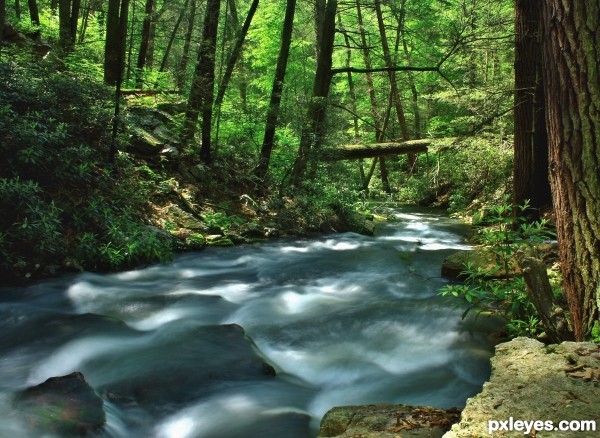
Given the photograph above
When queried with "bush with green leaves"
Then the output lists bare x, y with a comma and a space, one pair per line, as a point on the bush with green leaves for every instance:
453, 175
499, 290
61, 203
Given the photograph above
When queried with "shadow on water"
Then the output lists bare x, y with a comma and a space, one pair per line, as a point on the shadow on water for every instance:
254, 340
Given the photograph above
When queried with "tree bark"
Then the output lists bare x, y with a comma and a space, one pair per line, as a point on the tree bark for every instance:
165, 59
314, 129
276, 90
570, 53
235, 53
34, 14
143, 52
120, 62
395, 94
377, 122
530, 141
202, 93
185, 55
356, 151
68, 15
540, 293
116, 35
75, 10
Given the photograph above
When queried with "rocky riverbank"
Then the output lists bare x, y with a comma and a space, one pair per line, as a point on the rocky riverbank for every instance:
532, 383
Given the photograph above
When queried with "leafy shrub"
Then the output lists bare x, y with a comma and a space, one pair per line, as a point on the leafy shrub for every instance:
494, 291
60, 203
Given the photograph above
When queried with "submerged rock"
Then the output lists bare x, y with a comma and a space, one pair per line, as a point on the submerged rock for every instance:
387, 420
65, 405
533, 382
183, 361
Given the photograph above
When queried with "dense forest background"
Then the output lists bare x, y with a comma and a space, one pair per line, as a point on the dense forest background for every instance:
247, 112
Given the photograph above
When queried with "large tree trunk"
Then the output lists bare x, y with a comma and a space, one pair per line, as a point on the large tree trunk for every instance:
34, 14
202, 93
276, 90
68, 15
570, 53
314, 128
530, 140
116, 34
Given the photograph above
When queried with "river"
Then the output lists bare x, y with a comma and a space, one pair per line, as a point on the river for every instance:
342, 319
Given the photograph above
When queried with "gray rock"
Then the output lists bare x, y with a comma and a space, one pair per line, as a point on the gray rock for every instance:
531, 381
65, 405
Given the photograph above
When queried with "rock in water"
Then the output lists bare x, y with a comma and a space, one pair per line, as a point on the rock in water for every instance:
66, 406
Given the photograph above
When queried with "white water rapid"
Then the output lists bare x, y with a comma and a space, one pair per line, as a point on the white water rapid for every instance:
343, 319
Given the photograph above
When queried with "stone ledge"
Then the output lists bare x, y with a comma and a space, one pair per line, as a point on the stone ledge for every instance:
531, 381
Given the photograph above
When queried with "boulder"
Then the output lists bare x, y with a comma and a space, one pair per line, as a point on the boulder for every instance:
66, 406
531, 381
186, 361
387, 420
143, 142
183, 219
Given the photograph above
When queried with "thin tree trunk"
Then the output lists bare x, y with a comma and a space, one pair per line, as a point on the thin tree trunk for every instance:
276, 90
320, 6
131, 39
185, 55
372, 96
17, 9
570, 53
201, 93
122, 40
391, 74
352, 94
143, 52
314, 129
235, 54
409, 74
90, 4
165, 60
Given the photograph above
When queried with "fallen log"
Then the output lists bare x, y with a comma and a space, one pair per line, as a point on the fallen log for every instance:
356, 151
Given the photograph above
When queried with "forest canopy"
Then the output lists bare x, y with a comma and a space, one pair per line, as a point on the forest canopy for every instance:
249, 99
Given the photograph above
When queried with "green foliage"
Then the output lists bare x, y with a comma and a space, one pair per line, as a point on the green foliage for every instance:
222, 221
596, 332
60, 204
496, 290
455, 175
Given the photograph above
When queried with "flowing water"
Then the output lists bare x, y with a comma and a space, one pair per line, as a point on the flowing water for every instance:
342, 319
